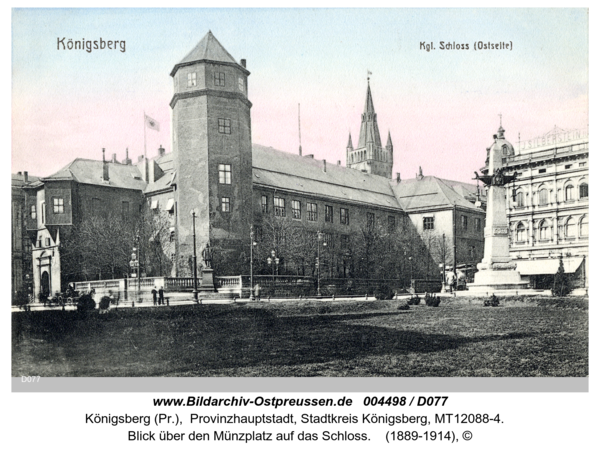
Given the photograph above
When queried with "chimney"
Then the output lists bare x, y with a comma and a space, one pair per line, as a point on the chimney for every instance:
324, 165
26, 176
310, 156
243, 61
19, 173
339, 162
105, 177
114, 159
127, 161
140, 158
397, 178
151, 171
161, 151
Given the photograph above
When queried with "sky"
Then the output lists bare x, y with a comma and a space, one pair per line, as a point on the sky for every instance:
440, 106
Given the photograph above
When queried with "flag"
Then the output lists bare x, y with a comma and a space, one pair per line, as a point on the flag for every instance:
151, 123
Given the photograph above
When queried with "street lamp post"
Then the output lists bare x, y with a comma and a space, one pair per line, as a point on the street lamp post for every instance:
193, 212
411, 271
252, 245
273, 261
319, 238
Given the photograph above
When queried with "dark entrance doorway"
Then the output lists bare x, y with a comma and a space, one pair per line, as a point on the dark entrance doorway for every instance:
45, 284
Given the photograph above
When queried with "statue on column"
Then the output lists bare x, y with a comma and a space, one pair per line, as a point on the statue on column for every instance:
207, 256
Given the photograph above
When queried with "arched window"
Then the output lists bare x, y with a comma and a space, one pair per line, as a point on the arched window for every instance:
520, 199
570, 228
543, 197
520, 232
583, 226
569, 193
544, 230
583, 190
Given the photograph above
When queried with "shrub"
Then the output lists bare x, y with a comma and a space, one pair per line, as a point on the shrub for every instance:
104, 302
384, 293
494, 301
414, 300
562, 284
431, 300
404, 307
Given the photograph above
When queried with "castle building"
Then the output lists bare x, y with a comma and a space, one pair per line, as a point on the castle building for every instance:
220, 187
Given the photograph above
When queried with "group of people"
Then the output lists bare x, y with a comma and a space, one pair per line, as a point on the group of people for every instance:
158, 296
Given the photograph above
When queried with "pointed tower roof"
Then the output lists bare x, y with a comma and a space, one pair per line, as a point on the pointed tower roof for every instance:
349, 145
389, 140
369, 130
208, 49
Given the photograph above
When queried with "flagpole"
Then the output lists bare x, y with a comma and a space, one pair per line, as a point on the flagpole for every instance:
145, 155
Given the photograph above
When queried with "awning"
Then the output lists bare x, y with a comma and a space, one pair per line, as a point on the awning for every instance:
548, 266
170, 204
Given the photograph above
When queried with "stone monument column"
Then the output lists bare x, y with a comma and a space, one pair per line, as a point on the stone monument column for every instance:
496, 270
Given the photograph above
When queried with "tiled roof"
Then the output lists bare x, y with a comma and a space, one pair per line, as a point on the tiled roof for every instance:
303, 174
432, 192
17, 180
90, 172
207, 49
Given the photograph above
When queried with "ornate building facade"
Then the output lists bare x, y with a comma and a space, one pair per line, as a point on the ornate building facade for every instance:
549, 209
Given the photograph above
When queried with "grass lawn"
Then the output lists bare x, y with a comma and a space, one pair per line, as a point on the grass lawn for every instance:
524, 337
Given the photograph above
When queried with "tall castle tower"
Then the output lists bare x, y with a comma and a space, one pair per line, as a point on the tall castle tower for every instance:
212, 148
369, 155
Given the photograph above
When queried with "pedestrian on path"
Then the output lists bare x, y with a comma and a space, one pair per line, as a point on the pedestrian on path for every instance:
154, 293
161, 296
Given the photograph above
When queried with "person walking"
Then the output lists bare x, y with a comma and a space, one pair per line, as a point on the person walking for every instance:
154, 293
161, 296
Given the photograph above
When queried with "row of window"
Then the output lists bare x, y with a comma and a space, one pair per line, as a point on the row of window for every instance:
218, 80
544, 231
327, 238
312, 214
429, 223
567, 167
569, 195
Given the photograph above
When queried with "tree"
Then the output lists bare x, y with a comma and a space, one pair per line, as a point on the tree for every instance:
562, 284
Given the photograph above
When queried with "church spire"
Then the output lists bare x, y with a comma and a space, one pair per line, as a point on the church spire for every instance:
369, 130
369, 155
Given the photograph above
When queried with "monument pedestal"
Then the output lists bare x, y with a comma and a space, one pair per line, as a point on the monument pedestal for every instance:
208, 284
490, 281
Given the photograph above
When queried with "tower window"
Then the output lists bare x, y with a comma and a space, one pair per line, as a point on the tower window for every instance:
296, 211
428, 223
191, 79
391, 224
311, 210
225, 126
542, 171
478, 224
583, 190
344, 216
33, 212
329, 214
125, 210
464, 221
370, 221
172, 236
224, 174
219, 79
58, 205
264, 204
225, 204
279, 207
